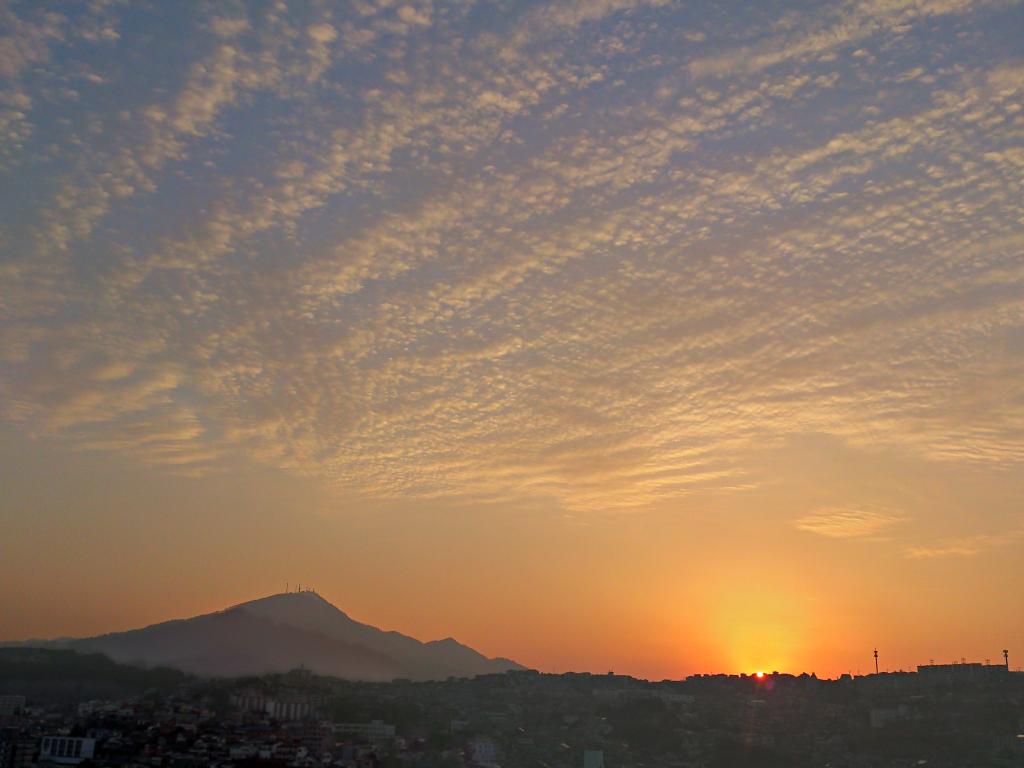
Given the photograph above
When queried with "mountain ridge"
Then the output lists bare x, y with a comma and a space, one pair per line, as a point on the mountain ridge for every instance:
281, 632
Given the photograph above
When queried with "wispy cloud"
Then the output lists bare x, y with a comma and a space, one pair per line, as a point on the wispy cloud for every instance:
964, 546
846, 523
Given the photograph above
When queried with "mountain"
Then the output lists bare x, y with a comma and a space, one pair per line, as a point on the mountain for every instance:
282, 632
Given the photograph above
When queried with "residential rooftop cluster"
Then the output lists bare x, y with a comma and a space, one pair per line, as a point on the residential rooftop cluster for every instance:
950, 717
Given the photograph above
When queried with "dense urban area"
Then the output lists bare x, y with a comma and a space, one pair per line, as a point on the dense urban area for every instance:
64, 708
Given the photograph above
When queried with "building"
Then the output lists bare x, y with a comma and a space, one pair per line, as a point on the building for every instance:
960, 672
8, 740
879, 717
11, 704
593, 758
482, 752
375, 730
17, 749
286, 707
314, 736
66, 750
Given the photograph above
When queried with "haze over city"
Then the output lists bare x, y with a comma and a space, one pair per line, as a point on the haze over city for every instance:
630, 335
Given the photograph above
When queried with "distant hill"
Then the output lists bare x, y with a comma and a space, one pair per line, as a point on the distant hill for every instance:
281, 632
63, 675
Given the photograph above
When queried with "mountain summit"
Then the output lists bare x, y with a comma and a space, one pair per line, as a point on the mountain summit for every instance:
284, 631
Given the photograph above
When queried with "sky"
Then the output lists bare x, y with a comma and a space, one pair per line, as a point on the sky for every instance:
636, 335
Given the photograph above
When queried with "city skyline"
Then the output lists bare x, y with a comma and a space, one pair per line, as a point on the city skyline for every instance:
640, 335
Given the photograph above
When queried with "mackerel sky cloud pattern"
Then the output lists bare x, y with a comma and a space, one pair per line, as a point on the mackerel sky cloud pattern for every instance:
595, 252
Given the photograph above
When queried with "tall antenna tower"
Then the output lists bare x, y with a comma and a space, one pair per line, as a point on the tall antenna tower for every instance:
876, 661
1006, 659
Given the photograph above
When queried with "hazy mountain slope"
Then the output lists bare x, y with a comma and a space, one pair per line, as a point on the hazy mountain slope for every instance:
235, 642
436, 659
281, 632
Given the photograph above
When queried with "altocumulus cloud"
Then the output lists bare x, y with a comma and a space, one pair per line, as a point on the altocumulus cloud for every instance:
964, 546
846, 523
590, 251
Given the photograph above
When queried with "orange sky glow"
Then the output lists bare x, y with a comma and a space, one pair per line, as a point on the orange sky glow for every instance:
630, 335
